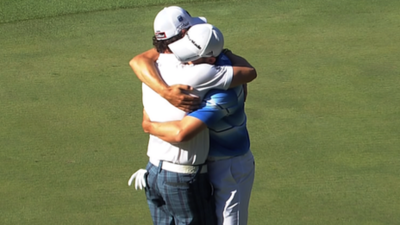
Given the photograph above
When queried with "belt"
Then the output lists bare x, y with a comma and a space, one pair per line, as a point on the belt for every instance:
178, 168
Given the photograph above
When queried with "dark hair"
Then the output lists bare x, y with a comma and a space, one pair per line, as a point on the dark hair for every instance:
162, 45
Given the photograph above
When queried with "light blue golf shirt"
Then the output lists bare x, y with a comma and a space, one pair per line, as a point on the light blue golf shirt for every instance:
224, 114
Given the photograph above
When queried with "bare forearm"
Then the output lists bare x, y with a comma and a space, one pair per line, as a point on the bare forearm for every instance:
143, 65
237, 60
243, 71
167, 131
174, 131
145, 69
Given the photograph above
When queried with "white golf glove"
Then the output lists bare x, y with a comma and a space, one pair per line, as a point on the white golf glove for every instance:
140, 181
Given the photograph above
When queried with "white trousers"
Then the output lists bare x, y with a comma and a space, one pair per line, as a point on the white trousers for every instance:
232, 180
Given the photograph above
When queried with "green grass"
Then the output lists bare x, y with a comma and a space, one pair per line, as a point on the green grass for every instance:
12, 11
324, 114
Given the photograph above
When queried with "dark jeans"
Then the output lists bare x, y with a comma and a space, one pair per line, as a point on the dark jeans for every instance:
179, 199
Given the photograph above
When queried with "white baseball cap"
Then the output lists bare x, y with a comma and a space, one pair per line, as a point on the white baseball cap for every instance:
202, 40
171, 20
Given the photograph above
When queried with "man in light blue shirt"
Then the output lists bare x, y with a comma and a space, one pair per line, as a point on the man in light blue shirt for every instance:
230, 161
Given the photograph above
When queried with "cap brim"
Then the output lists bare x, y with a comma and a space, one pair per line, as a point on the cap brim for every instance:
184, 50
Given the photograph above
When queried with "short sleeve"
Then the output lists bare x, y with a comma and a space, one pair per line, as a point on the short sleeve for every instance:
216, 105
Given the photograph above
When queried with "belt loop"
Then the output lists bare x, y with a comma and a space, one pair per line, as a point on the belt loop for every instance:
160, 166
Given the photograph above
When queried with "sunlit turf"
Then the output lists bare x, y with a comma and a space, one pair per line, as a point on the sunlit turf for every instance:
323, 113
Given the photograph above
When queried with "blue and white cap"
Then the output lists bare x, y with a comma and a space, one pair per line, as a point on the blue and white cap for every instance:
171, 20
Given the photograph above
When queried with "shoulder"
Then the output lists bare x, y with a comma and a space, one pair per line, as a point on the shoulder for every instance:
205, 72
167, 60
207, 69
201, 68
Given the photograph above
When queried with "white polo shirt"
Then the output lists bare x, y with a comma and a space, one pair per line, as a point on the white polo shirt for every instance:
202, 78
